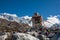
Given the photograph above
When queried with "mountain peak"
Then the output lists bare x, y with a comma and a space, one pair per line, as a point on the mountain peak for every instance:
14, 15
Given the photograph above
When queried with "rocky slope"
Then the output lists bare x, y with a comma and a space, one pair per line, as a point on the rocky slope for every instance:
9, 26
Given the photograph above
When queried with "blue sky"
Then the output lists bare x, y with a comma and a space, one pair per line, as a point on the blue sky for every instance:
28, 7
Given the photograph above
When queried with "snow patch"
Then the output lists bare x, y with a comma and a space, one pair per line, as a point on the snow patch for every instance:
14, 15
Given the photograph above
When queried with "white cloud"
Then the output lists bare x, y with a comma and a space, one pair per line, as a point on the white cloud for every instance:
51, 21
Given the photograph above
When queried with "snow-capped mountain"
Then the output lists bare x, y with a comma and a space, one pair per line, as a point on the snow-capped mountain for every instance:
52, 21
14, 17
9, 17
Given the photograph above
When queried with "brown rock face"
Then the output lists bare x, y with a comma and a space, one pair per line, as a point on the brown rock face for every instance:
9, 26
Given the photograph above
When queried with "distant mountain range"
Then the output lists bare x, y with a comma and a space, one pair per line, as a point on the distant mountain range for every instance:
13, 23
7, 19
13, 17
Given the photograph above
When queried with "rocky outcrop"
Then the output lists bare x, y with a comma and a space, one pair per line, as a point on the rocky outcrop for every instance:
23, 36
